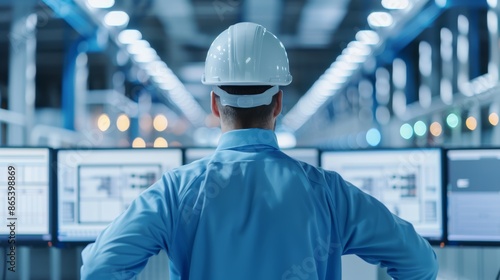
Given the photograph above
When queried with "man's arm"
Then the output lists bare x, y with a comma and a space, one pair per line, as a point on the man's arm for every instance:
122, 250
368, 229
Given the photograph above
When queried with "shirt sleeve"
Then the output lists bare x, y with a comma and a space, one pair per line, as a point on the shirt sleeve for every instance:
122, 250
368, 229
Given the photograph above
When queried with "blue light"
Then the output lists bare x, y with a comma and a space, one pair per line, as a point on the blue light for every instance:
406, 131
420, 128
373, 137
452, 120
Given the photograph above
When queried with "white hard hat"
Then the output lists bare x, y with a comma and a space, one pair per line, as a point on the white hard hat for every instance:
246, 54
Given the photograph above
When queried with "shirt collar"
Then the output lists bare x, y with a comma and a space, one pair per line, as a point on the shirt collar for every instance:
247, 137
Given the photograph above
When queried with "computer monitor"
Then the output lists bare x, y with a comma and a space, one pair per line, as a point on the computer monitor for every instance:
194, 154
308, 155
25, 196
97, 185
474, 196
407, 181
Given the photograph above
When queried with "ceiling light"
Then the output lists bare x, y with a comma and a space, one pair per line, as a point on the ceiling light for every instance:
345, 65
101, 4
380, 19
138, 47
441, 3
129, 36
146, 56
351, 57
395, 4
368, 37
116, 18
358, 48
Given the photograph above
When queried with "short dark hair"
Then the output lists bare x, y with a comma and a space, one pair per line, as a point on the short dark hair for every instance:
247, 117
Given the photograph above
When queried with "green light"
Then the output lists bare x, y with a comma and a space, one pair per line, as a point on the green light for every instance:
406, 131
420, 128
452, 120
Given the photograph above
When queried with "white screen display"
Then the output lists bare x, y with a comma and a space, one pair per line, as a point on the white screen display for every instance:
96, 186
31, 177
407, 182
474, 195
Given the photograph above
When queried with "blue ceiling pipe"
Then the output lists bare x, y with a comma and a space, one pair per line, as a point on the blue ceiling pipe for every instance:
91, 39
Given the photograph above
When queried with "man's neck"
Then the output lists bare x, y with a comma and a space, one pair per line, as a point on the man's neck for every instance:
226, 128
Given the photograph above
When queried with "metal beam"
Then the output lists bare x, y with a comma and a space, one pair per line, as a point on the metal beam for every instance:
22, 70
73, 15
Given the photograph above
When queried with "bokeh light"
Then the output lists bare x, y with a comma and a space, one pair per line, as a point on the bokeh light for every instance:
103, 122
160, 123
139, 143
406, 131
436, 129
373, 137
160, 142
123, 122
471, 123
493, 118
452, 120
420, 128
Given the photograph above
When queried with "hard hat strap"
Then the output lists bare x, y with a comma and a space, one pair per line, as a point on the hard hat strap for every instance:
246, 101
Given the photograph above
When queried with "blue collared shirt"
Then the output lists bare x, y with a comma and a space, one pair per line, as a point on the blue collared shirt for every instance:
252, 212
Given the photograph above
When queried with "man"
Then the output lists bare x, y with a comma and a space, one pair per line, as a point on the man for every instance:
250, 211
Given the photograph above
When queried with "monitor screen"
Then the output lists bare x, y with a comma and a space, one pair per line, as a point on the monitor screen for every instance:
308, 155
95, 186
25, 180
474, 195
193, 154
408, 182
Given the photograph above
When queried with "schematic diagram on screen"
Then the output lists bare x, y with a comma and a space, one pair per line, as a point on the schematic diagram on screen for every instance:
104, 192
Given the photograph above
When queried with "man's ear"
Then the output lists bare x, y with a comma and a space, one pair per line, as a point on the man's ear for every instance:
277, 106
213, 102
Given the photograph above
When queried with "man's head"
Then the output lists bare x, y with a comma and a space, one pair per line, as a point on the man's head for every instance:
246, 64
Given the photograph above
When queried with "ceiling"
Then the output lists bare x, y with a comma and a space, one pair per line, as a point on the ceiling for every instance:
313, 31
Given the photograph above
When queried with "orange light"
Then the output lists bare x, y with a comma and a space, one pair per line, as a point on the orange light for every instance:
122, 122
493, 118
160, 142
139, 143
160, 123
103, 122
436, 129
471, 123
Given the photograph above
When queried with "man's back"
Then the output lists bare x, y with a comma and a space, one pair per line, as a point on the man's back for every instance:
254, 213
251, 212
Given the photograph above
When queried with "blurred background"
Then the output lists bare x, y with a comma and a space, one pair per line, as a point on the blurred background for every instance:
378, 73
381, 73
